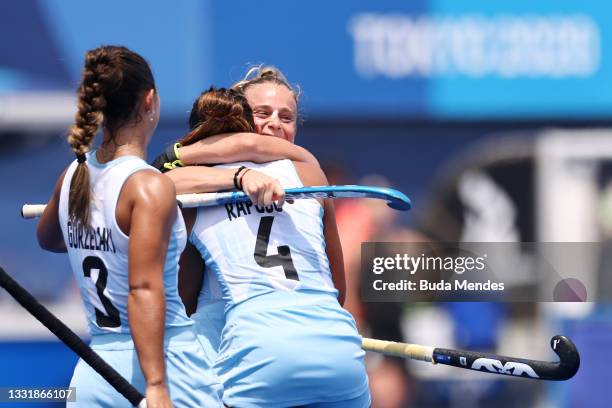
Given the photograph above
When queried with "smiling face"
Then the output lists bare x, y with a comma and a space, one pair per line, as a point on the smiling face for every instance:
274, 110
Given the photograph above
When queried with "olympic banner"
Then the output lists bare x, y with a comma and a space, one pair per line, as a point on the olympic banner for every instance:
436, 59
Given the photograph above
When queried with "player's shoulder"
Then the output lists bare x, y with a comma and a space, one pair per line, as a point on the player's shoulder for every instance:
151, 185
310, 174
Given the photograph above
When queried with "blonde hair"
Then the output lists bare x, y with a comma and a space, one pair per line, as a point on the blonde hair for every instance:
263, 74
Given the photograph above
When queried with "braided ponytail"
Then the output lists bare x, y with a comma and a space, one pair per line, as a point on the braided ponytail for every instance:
114, 78
89, 117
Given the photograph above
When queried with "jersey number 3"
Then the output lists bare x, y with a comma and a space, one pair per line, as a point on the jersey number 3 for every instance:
283, 258
111, 318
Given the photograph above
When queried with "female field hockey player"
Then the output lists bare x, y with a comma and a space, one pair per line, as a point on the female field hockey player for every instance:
286, 340
275, 117
261, 188
117, 218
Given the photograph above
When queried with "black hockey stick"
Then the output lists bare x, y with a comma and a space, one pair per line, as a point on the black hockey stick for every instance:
564, 369
69, 338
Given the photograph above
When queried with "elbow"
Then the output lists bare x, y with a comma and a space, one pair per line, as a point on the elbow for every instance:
141, 288
146, 288
50, 243
43, 242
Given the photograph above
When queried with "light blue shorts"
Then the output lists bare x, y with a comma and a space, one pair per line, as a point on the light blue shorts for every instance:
209, 321
288, 349
191, 381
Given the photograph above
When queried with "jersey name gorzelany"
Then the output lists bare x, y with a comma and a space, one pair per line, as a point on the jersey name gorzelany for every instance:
94, 238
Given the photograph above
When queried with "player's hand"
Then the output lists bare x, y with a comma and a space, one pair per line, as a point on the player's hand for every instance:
168, 160
158, 396
262, 189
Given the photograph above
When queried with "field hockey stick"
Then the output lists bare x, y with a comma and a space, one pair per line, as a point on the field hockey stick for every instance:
564, 369
70, 339
395, 199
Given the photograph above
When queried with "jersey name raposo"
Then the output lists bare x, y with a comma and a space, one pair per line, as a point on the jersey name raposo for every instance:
237, 210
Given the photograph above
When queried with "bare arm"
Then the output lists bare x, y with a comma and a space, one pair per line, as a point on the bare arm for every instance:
236, 147
49, 231
261, 189
153, 212
314, 176
198, 179
334, 249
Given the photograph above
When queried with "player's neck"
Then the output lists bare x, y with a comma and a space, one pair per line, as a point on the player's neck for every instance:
121, 145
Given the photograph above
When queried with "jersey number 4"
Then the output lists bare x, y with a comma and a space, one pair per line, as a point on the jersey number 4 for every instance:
283, 258
111, 317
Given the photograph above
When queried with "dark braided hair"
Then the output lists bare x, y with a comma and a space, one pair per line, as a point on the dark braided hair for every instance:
114, 79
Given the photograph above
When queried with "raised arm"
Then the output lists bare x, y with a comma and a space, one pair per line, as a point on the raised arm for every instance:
49, 231
314, 176
236, 147
153, 211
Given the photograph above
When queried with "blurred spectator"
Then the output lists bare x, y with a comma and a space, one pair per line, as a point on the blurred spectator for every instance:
361, 221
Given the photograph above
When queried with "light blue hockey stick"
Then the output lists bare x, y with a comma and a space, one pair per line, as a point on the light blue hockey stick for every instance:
395, 199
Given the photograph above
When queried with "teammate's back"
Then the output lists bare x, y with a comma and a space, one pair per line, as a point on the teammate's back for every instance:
99, 252
286, 341
253, 250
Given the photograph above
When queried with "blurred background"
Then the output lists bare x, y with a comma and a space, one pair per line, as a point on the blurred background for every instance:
494, 117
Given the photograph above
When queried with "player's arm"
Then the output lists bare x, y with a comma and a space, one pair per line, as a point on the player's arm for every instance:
237, 147
314, 176
153, 212
49, 231
191, 268
334, 249
199, 179
260, 187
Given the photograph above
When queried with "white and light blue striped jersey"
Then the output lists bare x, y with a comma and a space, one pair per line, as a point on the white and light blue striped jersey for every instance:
252, 250
99, 254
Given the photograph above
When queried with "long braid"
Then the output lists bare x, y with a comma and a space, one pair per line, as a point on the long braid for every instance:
114, 81
89, 117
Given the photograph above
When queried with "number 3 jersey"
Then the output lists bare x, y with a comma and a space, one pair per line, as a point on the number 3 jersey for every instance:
99, 254
251, 250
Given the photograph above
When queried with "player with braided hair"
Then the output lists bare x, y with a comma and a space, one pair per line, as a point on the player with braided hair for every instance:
117, 218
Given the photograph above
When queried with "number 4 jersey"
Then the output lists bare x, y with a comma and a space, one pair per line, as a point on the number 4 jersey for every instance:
251, 250
99, 254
